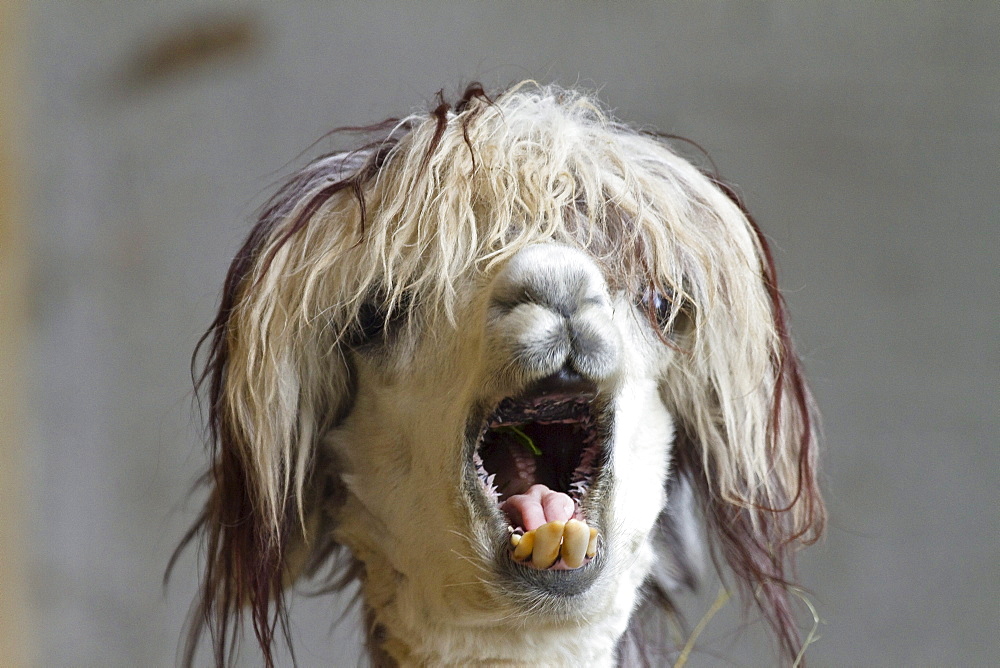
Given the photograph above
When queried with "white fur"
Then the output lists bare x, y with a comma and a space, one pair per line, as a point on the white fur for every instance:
428, 579
510, 239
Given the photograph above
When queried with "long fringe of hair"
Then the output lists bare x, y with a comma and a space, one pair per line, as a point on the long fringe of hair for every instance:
438, 200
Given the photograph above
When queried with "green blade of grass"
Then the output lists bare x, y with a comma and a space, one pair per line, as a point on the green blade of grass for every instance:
524, 438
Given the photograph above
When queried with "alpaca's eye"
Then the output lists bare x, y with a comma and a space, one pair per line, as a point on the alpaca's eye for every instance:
376, 322
371, 322
657, 305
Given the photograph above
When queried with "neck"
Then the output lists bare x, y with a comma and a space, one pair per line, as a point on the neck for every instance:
590, 643
409, 627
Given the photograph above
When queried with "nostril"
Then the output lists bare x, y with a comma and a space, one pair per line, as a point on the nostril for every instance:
565, 381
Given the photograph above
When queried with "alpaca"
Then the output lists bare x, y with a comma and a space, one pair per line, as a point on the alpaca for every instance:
507, 363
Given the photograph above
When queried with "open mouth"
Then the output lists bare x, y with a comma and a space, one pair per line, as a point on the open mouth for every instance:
537, 457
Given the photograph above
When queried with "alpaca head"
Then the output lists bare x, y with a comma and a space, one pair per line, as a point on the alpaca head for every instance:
509, 355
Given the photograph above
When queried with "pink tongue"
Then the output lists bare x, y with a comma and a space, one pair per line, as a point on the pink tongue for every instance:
538, 506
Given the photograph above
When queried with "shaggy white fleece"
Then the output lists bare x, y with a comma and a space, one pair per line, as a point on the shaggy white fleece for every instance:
501, 354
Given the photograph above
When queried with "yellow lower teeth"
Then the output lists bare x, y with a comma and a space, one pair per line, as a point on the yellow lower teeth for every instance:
547, 539
524, 546
573, 541
576, 536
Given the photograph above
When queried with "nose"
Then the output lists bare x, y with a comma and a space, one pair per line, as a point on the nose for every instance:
557, 277
550, 321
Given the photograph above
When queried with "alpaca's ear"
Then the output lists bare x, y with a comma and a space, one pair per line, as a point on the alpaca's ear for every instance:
276, 379
746, 421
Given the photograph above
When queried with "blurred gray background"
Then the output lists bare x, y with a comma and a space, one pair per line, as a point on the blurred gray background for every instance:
865, 137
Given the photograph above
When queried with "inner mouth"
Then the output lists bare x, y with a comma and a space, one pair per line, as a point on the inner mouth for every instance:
537, 457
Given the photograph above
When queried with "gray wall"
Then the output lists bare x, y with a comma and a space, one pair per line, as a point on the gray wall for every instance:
865, 137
